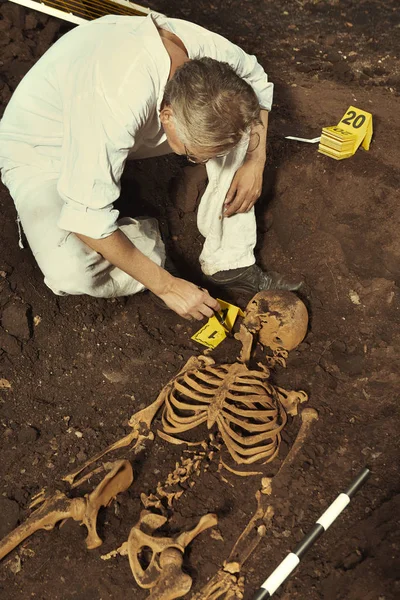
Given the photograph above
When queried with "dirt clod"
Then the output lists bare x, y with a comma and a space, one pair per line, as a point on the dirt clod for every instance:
27, 435
15, 319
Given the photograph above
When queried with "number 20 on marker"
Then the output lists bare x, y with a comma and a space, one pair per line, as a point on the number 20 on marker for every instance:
359, 123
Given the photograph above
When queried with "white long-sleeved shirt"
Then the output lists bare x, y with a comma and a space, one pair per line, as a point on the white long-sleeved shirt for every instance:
93, 98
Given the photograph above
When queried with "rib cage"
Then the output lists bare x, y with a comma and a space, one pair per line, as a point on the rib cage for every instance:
241, 403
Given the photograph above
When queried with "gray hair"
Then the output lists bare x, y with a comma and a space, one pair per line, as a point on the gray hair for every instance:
213, 107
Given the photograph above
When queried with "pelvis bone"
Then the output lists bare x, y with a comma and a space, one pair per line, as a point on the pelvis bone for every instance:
59, 508
163, 575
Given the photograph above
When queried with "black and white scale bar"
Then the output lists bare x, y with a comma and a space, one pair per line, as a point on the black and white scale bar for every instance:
283, 571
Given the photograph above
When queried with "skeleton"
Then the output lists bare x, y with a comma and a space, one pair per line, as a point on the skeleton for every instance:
281, 328
240, 408
249, 412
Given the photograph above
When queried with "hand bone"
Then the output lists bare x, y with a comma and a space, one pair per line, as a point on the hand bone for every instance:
222, 585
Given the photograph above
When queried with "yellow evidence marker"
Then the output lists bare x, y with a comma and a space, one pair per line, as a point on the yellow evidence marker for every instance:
343, 140
214, 331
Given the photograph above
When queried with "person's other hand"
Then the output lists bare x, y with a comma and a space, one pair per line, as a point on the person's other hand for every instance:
245, 189
188, 300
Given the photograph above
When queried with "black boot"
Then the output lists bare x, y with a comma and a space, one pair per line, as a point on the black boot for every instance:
250, 280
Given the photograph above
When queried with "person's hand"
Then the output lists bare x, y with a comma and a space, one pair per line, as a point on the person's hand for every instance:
188, 300
245, 189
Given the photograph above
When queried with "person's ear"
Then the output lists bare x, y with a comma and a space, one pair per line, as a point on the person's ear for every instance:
166, 115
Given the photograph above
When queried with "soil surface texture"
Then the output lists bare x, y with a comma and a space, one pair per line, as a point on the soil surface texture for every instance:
74, 369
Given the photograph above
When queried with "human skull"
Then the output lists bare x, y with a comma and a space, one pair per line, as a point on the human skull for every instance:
279, 319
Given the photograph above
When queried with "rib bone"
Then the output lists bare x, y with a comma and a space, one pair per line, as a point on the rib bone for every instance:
240, 402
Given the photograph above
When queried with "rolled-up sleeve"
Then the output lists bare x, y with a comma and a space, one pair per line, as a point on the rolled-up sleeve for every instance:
100, 126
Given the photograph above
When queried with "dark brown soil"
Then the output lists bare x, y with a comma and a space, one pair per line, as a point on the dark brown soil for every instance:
78, 367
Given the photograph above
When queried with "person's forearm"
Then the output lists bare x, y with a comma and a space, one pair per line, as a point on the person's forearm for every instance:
120, 251
259, 136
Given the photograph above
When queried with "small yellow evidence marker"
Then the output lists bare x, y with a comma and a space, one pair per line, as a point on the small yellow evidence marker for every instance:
343, 140
214, 332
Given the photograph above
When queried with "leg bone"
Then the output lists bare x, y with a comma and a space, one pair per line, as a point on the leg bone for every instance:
59, 508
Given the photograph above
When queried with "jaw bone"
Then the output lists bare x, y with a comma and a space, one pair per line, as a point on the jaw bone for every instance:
59, 508
163, 575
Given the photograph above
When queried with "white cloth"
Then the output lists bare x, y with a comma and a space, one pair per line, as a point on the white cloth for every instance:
229, 241
92, 100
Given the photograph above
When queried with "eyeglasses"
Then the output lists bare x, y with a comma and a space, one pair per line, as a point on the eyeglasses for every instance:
251, 146
192, 159
196, 161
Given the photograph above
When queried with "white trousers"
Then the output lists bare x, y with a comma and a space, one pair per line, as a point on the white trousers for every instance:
69, 266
